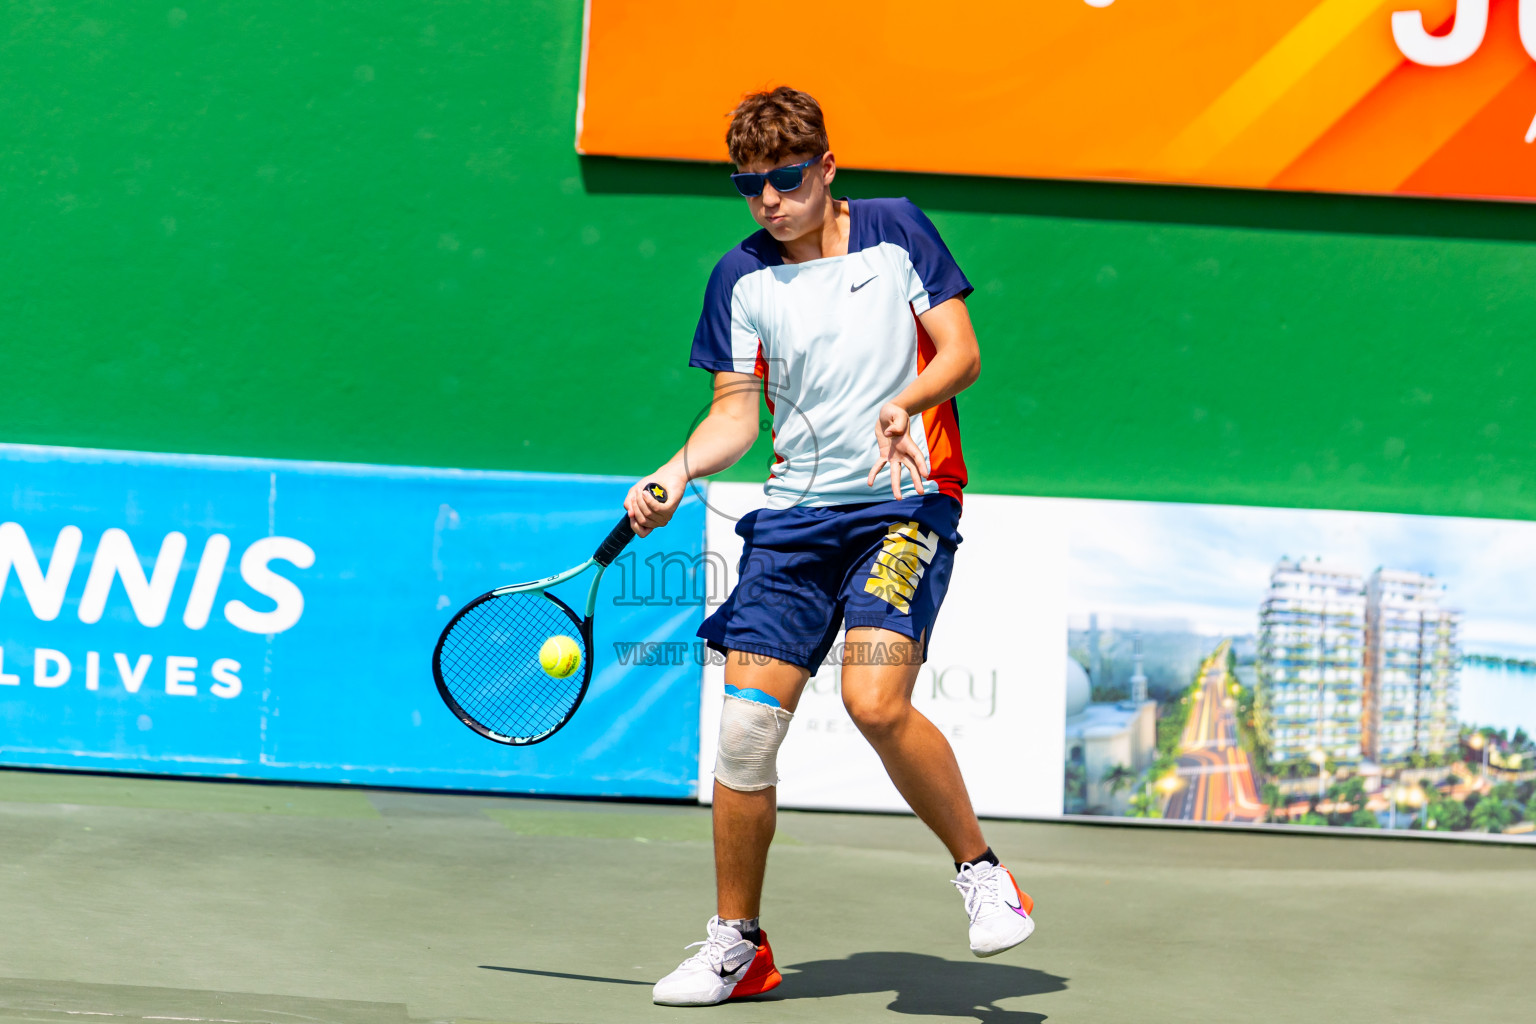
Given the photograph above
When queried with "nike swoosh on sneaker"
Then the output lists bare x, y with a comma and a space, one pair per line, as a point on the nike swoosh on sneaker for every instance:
1012, 903
861, 284
728, 968
1009, 899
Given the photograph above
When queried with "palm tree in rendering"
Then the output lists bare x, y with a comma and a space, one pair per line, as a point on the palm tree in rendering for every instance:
1117, 777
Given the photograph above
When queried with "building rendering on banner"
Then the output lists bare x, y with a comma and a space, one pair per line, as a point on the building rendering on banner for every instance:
1411, 658
1352, 669
1103, 736
1311, 660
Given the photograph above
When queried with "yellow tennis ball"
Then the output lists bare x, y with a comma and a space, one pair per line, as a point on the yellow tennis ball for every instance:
560, 656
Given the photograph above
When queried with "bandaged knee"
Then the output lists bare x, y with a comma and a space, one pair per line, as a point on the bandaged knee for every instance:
752, 726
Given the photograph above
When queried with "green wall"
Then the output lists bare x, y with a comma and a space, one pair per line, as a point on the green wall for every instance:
359, 231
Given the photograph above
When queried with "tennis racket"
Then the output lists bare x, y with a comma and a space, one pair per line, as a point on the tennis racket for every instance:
487, 663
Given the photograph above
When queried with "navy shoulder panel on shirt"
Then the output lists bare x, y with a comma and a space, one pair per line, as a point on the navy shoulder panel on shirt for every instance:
712, 338
901, 223
761, 247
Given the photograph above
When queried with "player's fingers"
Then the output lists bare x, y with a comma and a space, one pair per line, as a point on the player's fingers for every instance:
910, 451
658, 512
921, 467
874, 472
646, 503
641, 517
917, 476
920, 464
896, 479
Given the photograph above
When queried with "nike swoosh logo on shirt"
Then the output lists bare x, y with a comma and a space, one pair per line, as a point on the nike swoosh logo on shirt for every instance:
861, 284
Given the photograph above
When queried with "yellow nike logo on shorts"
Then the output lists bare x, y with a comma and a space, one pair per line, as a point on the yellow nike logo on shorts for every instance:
899, 567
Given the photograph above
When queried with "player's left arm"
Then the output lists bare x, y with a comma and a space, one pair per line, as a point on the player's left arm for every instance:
955, 366
956, 362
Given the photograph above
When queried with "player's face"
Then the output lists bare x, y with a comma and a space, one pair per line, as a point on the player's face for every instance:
796, 213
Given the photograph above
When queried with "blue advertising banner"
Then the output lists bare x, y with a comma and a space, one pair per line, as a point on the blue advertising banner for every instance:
267, 619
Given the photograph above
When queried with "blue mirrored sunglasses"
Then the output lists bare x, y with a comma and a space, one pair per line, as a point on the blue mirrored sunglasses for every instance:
783, 179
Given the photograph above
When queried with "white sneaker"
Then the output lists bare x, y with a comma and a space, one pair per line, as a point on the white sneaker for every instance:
728, 967
999, 910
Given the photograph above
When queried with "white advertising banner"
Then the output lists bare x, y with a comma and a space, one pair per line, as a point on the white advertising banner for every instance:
1158, 660
992, 683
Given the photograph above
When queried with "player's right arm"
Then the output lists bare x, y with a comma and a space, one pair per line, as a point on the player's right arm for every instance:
717, 443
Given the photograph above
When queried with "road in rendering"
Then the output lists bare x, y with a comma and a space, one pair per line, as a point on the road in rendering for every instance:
1215, 777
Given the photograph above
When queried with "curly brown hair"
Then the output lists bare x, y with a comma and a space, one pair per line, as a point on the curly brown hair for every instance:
772, 125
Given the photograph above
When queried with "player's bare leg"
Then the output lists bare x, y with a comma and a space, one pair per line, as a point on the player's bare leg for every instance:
736, 960
920, 762
915, 753
744, 822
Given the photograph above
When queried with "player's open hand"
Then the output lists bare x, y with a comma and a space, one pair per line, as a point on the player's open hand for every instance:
645, 512
897, 450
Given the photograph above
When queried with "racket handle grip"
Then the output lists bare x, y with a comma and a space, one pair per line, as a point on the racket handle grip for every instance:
619, 537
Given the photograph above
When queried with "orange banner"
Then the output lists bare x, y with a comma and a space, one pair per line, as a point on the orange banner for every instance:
1425, 97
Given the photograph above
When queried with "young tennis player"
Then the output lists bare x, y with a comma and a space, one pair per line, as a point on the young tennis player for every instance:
849, 315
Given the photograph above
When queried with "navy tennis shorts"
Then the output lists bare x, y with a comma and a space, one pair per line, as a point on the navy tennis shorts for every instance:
805, 572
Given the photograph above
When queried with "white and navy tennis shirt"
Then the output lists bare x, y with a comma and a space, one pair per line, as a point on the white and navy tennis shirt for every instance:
833, 340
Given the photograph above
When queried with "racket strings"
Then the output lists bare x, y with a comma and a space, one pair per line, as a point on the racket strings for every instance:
490, 665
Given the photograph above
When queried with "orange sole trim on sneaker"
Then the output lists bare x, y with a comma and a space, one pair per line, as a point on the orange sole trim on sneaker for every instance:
749, 986
761, 977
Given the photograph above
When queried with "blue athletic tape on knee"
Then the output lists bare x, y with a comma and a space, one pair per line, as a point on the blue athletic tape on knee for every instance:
752, 694
750, 733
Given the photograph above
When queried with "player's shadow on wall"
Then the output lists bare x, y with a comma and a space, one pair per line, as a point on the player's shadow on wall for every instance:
1109, 201
924, 985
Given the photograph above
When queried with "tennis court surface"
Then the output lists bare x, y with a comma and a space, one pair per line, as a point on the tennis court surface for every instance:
132, 900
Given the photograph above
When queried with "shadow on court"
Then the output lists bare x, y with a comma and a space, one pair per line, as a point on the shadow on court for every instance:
924, 985
564, 976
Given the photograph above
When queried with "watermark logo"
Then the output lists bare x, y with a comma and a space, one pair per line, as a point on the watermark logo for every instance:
773, 382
